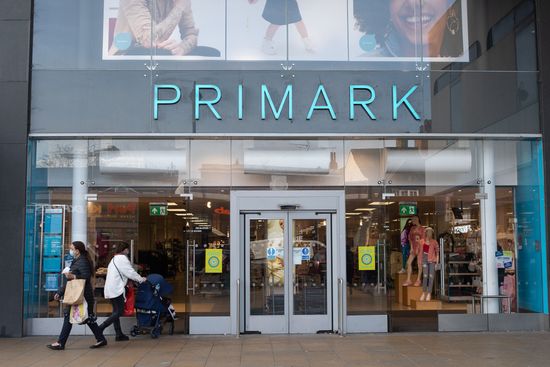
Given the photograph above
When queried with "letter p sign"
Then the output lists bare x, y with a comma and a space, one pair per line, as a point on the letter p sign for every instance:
159, 101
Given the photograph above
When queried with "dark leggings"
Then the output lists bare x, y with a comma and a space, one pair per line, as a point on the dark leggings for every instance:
118, 309
91, 322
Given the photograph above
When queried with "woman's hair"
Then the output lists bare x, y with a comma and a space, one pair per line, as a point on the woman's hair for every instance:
431, 230
121, 246
373, 17
81, 247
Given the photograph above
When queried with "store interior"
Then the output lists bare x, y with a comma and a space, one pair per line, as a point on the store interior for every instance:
385, 183
172, 244
454, 215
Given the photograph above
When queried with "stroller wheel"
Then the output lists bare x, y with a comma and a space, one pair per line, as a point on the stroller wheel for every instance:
134, 331
154, 333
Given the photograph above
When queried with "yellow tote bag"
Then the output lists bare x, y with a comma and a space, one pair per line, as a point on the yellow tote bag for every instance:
74, 292
79, 313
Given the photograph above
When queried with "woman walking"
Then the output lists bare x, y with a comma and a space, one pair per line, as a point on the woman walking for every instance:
118, 272
81, 268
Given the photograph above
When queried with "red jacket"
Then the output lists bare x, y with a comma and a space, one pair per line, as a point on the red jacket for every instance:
433, 252
413, 233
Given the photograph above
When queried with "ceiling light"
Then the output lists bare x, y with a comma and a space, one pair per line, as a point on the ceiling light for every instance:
381, 203
177, 210
353, 213
183, 214
91, 197
172, 204
209, 204
365, 209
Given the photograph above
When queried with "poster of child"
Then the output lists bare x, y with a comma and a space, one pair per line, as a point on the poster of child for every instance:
281, 29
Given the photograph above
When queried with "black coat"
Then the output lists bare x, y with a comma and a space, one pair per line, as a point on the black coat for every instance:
82, 269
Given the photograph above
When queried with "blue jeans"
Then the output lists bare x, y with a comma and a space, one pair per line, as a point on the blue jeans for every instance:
428, 274
405, 250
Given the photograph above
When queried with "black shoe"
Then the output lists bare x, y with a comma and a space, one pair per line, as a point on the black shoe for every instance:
55, 347
122, 338
99, 344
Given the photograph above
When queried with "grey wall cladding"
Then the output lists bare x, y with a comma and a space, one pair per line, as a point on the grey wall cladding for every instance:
15, 31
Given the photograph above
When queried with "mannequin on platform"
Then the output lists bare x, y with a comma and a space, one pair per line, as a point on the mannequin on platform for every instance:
430, 258
416, 239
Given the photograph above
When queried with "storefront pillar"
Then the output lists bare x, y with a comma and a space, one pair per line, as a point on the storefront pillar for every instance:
489, 229
79, 210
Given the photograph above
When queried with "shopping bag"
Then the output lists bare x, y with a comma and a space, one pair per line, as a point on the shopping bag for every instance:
74, 292
130, 300
79, 313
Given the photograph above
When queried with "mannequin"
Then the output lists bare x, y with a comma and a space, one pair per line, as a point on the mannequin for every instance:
430, 258
416, 239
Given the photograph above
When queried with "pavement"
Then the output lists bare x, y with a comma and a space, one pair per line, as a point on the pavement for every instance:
410, 350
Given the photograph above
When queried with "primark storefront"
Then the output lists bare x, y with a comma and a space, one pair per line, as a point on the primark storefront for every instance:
265, 157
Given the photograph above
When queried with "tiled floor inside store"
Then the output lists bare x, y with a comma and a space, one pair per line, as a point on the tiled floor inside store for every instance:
441, 350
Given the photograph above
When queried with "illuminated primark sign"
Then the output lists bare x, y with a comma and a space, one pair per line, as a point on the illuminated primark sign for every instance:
320, 104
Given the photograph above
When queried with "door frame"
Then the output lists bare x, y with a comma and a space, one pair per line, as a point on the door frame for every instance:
306, 200
288, 322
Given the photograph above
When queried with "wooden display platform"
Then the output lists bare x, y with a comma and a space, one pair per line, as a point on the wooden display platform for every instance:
411, 293
434, 304
399, 280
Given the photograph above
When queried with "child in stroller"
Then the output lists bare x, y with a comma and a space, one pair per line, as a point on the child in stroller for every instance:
153, 308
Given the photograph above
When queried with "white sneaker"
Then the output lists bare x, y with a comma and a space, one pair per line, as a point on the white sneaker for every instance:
402, 271
308, 45
268, 47
422, 297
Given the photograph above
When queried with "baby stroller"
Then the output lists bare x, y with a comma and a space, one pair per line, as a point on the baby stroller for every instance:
153, 308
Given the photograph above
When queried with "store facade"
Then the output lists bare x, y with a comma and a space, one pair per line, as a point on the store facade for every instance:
267, 165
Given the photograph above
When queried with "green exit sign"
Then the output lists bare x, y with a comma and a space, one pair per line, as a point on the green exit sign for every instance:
157, 210
408, 209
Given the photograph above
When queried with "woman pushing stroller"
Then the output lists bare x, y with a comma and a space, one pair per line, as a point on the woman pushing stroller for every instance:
118, 272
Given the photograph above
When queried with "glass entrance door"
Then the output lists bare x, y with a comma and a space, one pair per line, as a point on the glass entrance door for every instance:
288, 272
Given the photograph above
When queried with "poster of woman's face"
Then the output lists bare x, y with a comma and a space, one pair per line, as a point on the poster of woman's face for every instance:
166, 29
293, 29
408, 30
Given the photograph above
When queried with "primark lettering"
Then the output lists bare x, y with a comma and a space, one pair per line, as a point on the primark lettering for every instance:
362, 99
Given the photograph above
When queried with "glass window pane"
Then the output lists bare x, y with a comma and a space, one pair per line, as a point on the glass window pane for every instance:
267, 267
309, 266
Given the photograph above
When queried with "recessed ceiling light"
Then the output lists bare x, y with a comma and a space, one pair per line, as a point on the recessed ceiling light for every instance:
177, 210
381, 203
172, 204
365, 209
